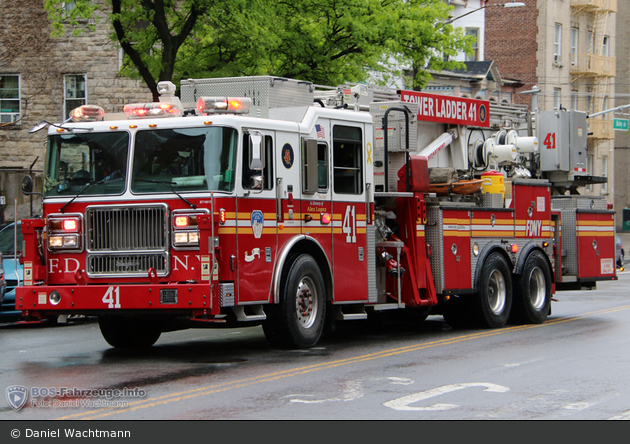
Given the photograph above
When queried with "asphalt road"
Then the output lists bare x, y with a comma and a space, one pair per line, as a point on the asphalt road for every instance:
572, 367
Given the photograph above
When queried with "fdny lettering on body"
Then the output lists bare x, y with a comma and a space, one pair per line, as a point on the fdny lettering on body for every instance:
68, 265
447, 109
533, 228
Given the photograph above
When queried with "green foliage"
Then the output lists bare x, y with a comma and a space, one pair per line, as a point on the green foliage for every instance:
324, 41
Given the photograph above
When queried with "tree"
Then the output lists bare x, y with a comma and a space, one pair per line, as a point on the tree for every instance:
332, 42
326, 41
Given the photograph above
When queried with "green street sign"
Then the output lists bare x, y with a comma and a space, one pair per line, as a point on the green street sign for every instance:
620, 124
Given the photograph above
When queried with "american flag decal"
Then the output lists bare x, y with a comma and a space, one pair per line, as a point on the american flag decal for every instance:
320, 132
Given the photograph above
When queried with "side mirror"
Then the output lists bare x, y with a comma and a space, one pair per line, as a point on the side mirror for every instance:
256, 153
27, 185
38, 127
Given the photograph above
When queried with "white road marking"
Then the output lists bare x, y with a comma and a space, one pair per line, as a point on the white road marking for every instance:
577, 406
404, 402
350, 391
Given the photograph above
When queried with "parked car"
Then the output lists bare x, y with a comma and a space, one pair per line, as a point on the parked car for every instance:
618, 251
3, 283
12, 271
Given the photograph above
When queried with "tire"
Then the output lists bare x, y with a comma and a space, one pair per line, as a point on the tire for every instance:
494, 300
129, 332
532, 291
298, 321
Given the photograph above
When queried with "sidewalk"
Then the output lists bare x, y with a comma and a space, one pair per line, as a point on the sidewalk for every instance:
625, 240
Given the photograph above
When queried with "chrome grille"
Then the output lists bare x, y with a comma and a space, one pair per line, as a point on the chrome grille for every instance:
127, 241
126, 228
127, 264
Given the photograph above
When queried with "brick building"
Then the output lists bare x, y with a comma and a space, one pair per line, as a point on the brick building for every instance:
567, 49
622, 98
44, 77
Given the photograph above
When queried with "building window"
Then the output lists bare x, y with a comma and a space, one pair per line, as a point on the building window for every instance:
9, 98
575, 32
473, 32
556, 98
574, 100
557, 44
606, 46
74, 93
69, 6
590, 41
605, 173
589, 171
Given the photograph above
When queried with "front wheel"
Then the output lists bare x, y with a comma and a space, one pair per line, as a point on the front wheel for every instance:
129, 332
494, 300
299, 319
532, 294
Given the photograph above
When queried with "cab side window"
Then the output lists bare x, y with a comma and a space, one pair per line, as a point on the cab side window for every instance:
347, 161
267, 170
314, 166
322, 166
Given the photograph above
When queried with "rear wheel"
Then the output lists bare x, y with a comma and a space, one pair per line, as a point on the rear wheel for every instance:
298, 321
494, 300
532, 293
129, 332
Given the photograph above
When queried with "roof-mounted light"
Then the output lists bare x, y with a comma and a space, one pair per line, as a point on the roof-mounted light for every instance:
166, 87
233, 105
87, 113
148, 110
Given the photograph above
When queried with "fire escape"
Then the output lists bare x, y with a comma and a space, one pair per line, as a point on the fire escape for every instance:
595, 67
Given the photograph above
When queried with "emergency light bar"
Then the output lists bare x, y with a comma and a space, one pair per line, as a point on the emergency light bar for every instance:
233, 105
148, 110
87, 113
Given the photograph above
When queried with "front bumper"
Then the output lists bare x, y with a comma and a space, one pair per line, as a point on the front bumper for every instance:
108, 299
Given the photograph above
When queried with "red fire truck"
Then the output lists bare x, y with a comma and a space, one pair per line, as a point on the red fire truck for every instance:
262, 200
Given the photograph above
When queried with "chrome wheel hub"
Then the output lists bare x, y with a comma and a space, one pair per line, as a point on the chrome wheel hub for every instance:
306, 303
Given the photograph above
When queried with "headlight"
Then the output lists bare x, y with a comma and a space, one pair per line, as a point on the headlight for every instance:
64, 232
185, 229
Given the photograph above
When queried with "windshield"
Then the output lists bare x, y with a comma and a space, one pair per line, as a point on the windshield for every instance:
75, 160
185, 159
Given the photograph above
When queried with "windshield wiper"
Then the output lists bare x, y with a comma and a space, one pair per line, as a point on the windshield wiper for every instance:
88, 186
168, 185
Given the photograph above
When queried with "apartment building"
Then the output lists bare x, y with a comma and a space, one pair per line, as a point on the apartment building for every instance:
566, 49
44, 78
622, 98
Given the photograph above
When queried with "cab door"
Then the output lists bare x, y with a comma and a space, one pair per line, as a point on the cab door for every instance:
256, 213
316, 197
348, 177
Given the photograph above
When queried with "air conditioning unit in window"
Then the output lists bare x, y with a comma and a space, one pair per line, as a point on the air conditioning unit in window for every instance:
557, 61
8, 118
